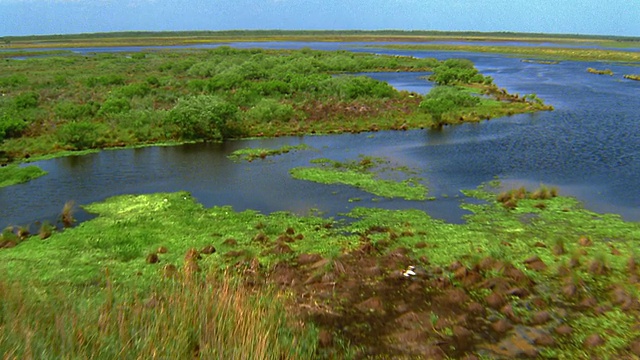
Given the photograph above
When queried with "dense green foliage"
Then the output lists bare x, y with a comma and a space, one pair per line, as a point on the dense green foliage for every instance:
53, 104
77, 102
443, 99
458, 72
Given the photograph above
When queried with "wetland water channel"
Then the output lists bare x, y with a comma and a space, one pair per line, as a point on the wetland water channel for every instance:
589, 147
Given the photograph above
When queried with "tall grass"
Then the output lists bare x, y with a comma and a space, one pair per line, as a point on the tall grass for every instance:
211, 318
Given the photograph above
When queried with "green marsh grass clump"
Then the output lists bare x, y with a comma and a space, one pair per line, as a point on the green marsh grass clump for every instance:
66, 216
14, 174
261, 153
510, 198
363, 175
632, 77
600, 72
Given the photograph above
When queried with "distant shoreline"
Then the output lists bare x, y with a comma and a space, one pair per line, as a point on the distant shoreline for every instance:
195, 37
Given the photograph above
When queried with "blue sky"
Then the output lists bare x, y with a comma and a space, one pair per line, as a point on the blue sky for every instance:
597, 17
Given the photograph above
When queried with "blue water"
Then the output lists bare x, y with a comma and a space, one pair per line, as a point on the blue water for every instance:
589, 147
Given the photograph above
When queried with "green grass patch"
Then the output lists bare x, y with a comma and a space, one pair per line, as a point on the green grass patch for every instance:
556, 53
261, 153
362, 174
68, 292
14, 174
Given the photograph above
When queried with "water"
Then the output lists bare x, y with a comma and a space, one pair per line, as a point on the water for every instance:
589, 147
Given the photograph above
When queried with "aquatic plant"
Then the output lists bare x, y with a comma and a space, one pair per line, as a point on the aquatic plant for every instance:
363, 175
255, 153
66, 216
14, 174
632, 77
600, 72
45, 230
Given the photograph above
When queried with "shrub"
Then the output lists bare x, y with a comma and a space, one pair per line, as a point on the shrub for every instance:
105, 80
443, 99
203, 117
70, 111
457, 71
272, 87
144, 125
353, 87
13, 80
153, 81
268, 110
80, 134
26, 100
114, 105
131, 90
11, 126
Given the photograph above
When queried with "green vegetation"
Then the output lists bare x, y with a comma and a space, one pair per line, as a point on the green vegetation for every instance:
600, 72
547, 53
14, 174
133, 38
455, 98
574, 256
179, 319
363, 175
255, 153
632, 77
73, 103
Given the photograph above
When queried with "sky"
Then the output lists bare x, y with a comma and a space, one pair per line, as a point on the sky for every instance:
589, 17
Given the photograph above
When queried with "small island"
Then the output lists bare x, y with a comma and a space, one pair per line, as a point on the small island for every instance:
600, 72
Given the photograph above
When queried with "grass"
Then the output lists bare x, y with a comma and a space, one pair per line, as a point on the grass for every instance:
600, 72
195, 37
546, 53
210, 317
261, 153
70, 272
632, 77
14, 174
363, 175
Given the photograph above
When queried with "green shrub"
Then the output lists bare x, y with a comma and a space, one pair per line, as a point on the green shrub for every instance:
353, 87
71, 111
80, 134
13, 80
203, 117
144, 125
105, 80
272, 87
26, 100
11, 126
114, 105
443, 99
268, 110
153, 81
131, 90
457, 71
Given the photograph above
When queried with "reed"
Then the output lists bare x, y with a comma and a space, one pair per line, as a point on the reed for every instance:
211, 318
